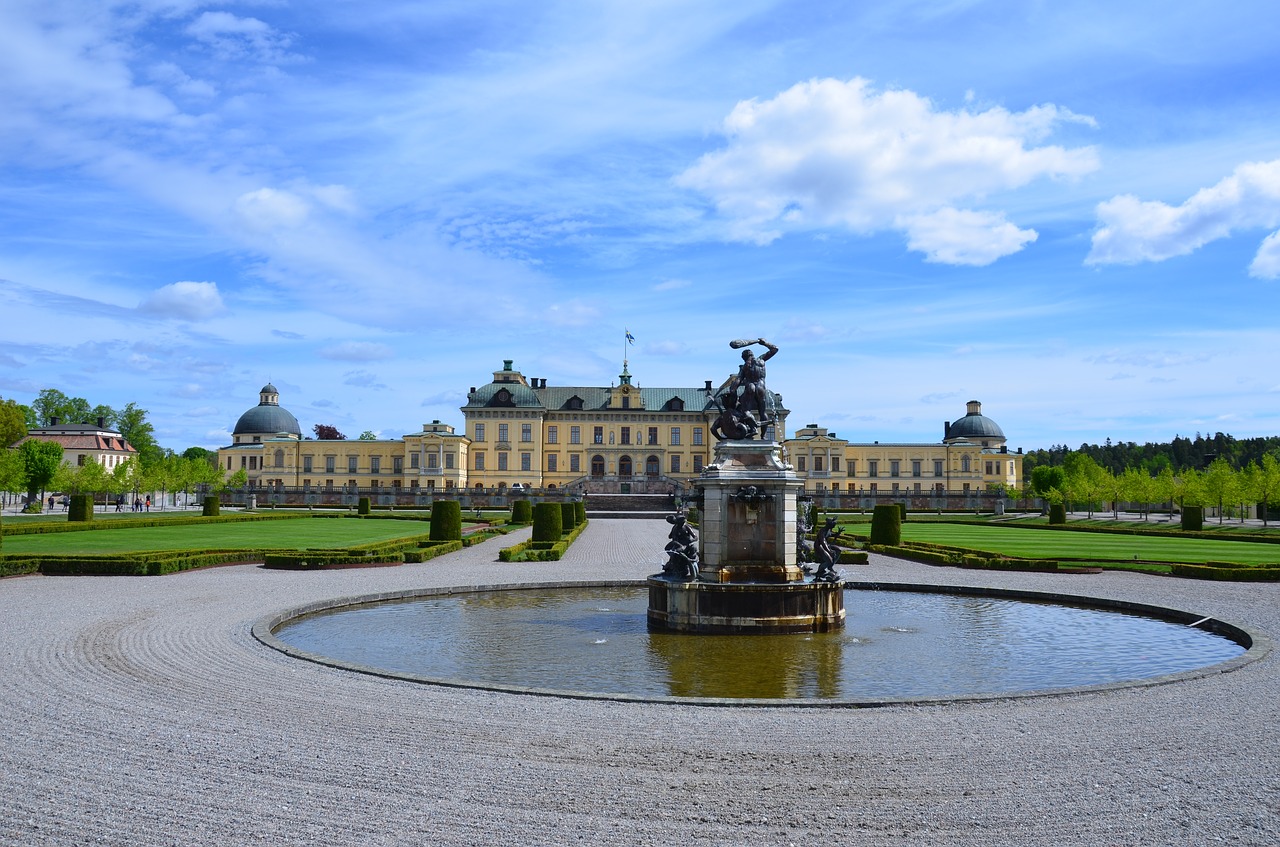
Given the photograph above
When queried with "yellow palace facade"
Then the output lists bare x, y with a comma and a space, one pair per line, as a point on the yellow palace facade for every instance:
520, 432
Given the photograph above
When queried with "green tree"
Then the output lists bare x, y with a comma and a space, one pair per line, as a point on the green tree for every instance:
133, 425
1220, 485
51, 403
40, 461
1046, 477
367, 435
12, 477
13, 422
1264, 483
1138, 486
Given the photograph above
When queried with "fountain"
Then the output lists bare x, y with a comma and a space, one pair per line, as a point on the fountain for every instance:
742, 573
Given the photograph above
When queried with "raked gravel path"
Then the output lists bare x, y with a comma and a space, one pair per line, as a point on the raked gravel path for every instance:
140, 711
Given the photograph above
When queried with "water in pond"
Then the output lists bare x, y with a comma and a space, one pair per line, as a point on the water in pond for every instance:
895, 644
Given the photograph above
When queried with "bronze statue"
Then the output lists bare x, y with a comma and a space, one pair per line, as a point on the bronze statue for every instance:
828, 553
752, 398
682, 549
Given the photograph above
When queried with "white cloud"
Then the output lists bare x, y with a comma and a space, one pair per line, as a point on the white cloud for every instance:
267, 209
1133, 230
231, 37
188, 301
955, 237
358, 351
827, 153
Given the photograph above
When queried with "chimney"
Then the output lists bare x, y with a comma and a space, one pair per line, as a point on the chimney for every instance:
946, 430
102, 422
53, 421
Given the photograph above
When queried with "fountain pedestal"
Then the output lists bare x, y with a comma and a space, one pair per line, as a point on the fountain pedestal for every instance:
748, 577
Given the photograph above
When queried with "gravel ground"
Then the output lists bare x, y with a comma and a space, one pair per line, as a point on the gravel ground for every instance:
140, 711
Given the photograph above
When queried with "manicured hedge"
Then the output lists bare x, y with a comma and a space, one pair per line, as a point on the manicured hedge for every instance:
541, 551
579, 512
886, 524
43, 528
1233, 573
1057, 513
548, 522
568, 518
446, 521
1193, 518
521, 512
81, 508
362, 506
212, 507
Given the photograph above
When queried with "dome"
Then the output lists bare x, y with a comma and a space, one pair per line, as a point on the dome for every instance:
268, 416
974, 425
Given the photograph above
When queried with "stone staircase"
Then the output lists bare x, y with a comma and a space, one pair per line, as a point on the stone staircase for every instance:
638, 506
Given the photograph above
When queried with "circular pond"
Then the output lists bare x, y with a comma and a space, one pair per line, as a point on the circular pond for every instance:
900, 643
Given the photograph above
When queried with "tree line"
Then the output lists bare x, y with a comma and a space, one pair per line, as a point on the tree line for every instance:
36, 466
1178, 455
1081, 482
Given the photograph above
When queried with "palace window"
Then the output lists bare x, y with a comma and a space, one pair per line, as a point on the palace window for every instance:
915, 467
502, 461
330, 463
894, 467
575, 435
553, 435
937, 467
697, 436
503, 431
675, 463
575, 463
599, 435
397, 463
526, 461
479, 432
553, 462
279, 457
353, 463
817, 464
526, 432
479, 462
375, 464
306, 464
873, 469
653, 435
448, 461
801, 464
432, 460
413, 461
835, 467
675, 435
697, 464
626, 435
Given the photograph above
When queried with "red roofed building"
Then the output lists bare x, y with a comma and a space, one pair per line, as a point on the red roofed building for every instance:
84, 443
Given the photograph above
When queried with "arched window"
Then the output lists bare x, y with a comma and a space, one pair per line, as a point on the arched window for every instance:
624, 466
597, 465
651, 466
964, 464
279, 458
479, 486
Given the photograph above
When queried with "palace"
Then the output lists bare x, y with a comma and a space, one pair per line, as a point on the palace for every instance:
521, 433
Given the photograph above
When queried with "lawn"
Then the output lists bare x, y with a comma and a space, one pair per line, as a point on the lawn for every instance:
298, 534
1052, 544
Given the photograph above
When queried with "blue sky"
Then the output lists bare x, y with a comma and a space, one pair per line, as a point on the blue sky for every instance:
1066, 210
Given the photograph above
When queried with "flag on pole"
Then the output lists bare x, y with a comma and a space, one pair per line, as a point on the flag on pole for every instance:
631, 339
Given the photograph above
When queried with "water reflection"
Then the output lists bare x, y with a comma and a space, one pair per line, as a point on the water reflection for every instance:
894, 644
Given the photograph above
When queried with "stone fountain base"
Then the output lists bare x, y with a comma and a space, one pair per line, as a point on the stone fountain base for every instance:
748, 579
745, 607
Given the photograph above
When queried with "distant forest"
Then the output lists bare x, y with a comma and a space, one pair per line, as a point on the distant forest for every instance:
1178, 455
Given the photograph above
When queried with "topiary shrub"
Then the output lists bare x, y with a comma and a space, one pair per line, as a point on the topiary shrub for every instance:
547, 522
521, 512
1193, 518
579, 513
81, 508
902, 512
1057, 513
211, 506
567, 517
363, 506
886, 524
446, 520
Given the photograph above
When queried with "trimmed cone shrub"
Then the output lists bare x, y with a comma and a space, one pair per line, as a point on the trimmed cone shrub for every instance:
362, 506
521, 512
579, 513
886, 525
81, 508
547, 522
211, 506
1057, 513
1193, 518
446, 520
567, 518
